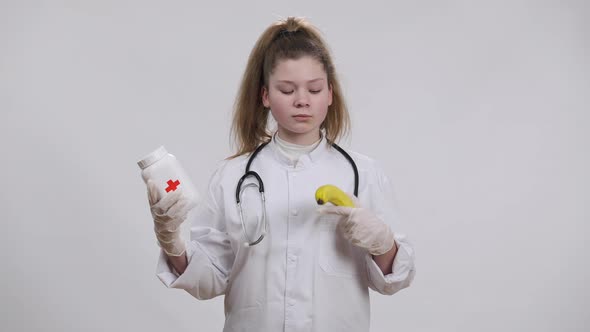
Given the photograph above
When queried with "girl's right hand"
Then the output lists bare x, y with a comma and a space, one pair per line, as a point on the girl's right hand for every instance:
169, 213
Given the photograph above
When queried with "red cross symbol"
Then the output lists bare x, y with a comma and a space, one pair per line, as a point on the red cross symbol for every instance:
172, 185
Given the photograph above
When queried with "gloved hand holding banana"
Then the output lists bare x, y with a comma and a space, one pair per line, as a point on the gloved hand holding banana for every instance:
360, 225
169, 213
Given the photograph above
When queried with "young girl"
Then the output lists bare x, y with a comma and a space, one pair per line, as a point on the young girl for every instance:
282, 263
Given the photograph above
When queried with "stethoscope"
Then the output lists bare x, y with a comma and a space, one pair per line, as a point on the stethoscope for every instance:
248, 173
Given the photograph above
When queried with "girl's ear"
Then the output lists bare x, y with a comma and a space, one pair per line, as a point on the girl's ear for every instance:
264, 94
330, 90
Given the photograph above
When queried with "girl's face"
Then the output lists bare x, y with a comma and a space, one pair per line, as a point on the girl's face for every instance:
298, 96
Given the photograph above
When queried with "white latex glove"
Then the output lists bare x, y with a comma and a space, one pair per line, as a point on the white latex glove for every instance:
362, 227
169, 213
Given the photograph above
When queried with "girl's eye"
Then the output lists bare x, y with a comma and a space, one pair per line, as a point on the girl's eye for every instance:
312, 91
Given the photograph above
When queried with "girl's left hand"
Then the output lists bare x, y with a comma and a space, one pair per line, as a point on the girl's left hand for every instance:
362, 227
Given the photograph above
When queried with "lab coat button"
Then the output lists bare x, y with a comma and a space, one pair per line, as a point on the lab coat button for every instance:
294, 212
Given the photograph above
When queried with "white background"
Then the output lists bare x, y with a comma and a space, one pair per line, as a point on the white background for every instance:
478, 110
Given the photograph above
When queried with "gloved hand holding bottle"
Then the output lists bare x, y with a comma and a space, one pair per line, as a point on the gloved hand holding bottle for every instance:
171, 195
169, 213
362, 227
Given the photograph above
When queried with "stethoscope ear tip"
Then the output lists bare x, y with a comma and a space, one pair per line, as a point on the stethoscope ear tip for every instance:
246, 245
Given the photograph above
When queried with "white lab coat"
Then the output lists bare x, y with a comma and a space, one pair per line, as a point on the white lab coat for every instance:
304, 276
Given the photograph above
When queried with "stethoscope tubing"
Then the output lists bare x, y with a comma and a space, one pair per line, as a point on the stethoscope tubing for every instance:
248, 173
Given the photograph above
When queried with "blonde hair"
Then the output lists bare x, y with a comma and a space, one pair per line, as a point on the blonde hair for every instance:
291, 38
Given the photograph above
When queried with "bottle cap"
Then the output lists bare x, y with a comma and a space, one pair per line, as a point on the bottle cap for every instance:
151, 158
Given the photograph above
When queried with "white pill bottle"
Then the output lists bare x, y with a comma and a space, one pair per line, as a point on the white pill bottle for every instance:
167, 173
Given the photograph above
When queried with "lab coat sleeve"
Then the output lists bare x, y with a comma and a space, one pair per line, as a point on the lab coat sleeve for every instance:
210, 255
381, 200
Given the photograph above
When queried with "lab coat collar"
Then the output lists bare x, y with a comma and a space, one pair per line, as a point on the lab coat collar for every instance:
313, 156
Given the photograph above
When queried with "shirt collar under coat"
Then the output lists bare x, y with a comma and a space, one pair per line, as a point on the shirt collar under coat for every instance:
320, 151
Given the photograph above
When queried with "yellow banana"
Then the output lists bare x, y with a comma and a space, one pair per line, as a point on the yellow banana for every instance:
330, 193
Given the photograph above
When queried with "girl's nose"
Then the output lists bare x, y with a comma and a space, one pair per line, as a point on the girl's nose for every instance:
302, 100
